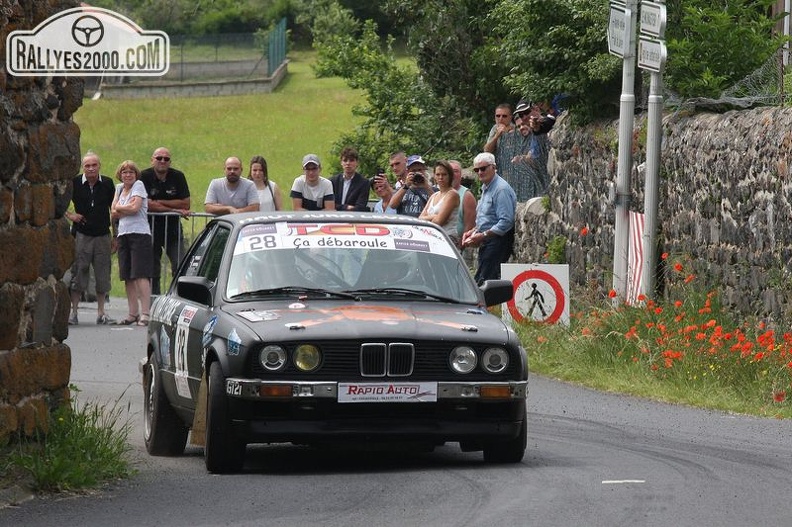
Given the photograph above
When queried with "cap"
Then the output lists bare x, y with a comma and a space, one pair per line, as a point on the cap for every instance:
522, 107
415, 159
311, 158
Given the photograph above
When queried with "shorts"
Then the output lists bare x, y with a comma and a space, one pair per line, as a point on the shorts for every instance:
134, 256
91, 251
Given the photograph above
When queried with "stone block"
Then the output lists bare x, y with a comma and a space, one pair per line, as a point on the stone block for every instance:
23, 203
54, 151
43, 207
12, 299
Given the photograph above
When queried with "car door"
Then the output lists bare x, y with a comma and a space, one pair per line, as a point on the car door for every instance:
191, 321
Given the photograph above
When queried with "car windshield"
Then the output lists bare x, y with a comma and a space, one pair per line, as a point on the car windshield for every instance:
369, 260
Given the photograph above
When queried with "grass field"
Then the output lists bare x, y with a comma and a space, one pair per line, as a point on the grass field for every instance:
304, 115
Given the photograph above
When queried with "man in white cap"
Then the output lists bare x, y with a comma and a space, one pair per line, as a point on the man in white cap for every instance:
412, 196
231, 194
311, 191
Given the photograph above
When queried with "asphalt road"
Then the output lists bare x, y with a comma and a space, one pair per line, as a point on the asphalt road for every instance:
593, 459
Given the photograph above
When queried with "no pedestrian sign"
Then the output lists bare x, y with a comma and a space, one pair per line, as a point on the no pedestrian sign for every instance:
541, 293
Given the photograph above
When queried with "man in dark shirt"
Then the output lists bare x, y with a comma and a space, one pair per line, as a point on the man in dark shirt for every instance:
92, 195
168, 194
351, 189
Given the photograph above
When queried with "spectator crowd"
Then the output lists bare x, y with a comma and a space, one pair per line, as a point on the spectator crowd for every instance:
139, 216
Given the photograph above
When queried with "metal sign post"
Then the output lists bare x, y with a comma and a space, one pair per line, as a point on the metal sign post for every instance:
652, 57
621, 31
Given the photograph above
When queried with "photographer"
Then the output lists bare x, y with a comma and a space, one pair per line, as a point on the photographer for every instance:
411, 198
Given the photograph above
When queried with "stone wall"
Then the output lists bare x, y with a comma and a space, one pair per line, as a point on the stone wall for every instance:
39, 153
206, 88
724, 205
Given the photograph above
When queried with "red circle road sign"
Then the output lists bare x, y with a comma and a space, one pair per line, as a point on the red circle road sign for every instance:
542, 276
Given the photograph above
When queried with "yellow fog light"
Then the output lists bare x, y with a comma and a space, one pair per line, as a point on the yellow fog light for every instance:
307, 357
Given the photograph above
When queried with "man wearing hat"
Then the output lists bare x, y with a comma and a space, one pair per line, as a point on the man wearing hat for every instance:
311, 191
412, 196
231, 194
528, 174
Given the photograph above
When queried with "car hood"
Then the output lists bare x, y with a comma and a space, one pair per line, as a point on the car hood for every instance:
361, 320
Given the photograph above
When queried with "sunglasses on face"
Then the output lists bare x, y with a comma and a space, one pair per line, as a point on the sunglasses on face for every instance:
162, 158
480, 169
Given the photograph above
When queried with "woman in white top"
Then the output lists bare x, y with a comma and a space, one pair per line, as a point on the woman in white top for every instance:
442, 206
268, 191
135, 264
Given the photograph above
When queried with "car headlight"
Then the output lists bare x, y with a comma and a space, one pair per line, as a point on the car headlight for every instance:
495, 360
272, 357
463, 359
307, 357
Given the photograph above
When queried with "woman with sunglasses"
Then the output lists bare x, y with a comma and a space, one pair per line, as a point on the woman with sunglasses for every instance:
135, 264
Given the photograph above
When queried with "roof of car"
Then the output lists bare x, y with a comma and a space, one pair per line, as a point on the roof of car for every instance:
365, 217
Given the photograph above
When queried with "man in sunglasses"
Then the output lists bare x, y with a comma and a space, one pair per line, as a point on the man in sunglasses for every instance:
167, 193
495, 212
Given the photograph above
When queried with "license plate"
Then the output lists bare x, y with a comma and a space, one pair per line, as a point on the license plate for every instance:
387, 392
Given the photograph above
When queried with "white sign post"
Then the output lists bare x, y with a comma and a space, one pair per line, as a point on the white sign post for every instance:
652, 58
621, 42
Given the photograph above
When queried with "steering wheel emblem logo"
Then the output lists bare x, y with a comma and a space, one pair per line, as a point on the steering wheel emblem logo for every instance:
87, 31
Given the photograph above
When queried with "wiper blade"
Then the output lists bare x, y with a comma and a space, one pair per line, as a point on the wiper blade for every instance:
404, 292
294, 290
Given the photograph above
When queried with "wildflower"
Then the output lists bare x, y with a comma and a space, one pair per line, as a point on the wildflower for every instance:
641, 297
689, 278
658, 310
541, 339
584, 231
612, 293
678, 303
678, 267
779, 396
664, 256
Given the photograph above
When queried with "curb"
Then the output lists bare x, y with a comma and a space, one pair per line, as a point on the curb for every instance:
14, 495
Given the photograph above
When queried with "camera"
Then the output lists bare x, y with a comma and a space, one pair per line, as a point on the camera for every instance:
418, 178
379, 177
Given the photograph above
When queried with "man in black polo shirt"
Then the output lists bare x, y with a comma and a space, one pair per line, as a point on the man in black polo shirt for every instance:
92, 195
167, 192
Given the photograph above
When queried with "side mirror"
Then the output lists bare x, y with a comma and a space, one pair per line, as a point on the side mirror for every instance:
497, 291
195, 288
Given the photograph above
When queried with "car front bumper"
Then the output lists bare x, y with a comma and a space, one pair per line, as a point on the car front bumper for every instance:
467, 412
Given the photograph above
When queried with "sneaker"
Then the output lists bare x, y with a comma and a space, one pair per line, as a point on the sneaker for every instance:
73, 319
104, 320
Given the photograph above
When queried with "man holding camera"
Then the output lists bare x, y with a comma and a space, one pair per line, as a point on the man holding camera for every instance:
411, 197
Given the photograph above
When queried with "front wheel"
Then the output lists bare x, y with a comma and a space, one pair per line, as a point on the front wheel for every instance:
163, 431
510, 451
224, 452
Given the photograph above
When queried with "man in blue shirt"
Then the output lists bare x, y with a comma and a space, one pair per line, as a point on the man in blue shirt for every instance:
494, 230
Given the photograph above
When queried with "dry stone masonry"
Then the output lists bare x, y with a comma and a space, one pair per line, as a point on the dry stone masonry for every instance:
39, 153
724, 205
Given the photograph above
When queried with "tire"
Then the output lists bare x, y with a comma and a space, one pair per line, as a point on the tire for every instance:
224, 452
510, 451
164, 433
